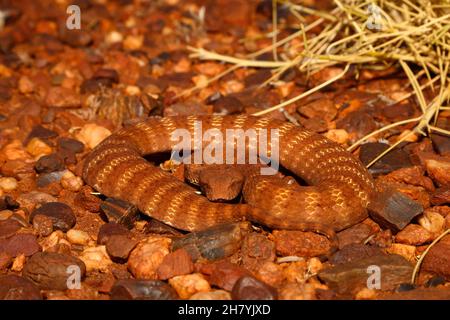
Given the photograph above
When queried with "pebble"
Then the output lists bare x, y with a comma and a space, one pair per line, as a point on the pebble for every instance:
61, 214
110, 229
69, 144
214, 243
20, 244
337, 135
439, 170
31, 199
86, 200
5, 261
298, 243
355, 234
92, 134
438, 258
294, 291
441, 196
40, 132
38, 148
71, 182
414, 235
52, 271
134, 289
256, 250
406, 251
432, 221
348, 278
47, 179
13, 287
188, 285
8, 228
49, 163
119, 247
353, 252
228, 105
8, 184
79, 237
96, 259
211, 295
43, 225
16, 168
176, 263
249, 288
18, 263
419, 294
396, 159
224, 274
271, 273
146, 257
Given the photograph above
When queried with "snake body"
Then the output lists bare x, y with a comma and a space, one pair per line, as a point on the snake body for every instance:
338, 192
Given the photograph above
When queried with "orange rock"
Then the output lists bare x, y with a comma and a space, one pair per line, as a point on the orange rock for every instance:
413, 234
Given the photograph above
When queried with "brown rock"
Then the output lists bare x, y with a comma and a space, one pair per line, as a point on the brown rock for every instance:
14, 287
190, 284
31, 199
62, 97
51, 270
49, 163
270, 273
224, 274
211, 295
413, 234
228, 105
119, 247
249, 288
419, 294
87, 201
5, 261
133, 289
349, 278
61, 214
353, 252
174, 264
412, 176
441, 196
294, 291
298, 243
16, 168
355, 234
43, 225
18, 244
110, 229
394, 160
8, 228
146, 257
228, 14
256, 250
96, 259
439, 170
438, 258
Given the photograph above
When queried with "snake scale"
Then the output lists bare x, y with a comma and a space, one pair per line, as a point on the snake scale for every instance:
338, 192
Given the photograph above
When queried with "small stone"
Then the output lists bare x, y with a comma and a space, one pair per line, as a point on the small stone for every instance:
271, 273
338, 135
432, 221
355, 234
146, 257
43, 225
8, 228
406, 251
228, 105
176, 263
18, 263
8, 184
110, 229
61, 97
392, 209
298, 243
366, 294
41, 133
71, 145
113, 37
439, 170
224, 274
188, 285
435, 281
119, 211
214, 243
96, 259
38, 148
16, 168
49, 163
14, 287
86, 200
249, 288
133, 289
414, 235
256, 250
31, 199
349, 278
441, 196
5, 261
353, 252
20, 244
71, 182
91, 135
438, 259
221, 184
294, 291
419, 294
119, 247
132, 42
107, 73
51, 270
211, 295
61, 214
78, 237
411, 176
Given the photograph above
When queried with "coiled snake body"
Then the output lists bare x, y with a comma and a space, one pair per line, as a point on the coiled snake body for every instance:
339, 188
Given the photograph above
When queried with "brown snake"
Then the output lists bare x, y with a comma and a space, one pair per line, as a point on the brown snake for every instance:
338, 194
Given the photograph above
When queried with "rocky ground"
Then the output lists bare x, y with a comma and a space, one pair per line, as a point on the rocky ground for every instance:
62, 92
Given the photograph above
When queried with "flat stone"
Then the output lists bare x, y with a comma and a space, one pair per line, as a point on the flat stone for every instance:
438, 258
249, 288
414, 234
224, 274
49, 163
146, 257
392, 209
355, 234
134, 289
119, 247
354, 252
8, 228
441, 196
70, 144
51, 270
349, 278
14, 287
419, 294
256, 250
18, 244
298, 243
174, 264
110, 229
228, 105
395, 159
61, 214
